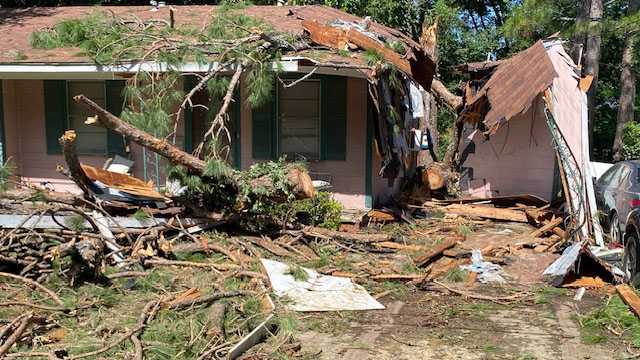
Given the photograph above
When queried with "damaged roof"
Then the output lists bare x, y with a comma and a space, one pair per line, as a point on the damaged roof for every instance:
512, 87
16, 25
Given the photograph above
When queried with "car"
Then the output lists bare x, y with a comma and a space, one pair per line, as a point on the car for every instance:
617, 195
631, 258
618, 200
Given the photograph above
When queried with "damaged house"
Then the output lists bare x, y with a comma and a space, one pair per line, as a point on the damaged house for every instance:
320, 111
524, 130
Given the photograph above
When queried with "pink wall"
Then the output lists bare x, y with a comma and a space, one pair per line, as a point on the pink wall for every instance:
347, 177
25, 136
518, 159
26, 142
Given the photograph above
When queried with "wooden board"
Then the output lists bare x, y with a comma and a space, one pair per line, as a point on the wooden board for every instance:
122, 182
629, 297
437, 251
486, 212
549, 226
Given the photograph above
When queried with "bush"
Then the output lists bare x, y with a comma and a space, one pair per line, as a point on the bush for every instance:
631, 141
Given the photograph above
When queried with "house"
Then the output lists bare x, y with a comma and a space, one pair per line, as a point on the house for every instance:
526, 130
326, 118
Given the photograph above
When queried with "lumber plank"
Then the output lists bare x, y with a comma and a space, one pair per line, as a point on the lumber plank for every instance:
437, 251
549, 226
629, 297
486, 212
328, 234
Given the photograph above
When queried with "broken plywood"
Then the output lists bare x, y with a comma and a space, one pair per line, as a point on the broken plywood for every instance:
318, 292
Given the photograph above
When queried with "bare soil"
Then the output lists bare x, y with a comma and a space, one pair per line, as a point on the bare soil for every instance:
439, 325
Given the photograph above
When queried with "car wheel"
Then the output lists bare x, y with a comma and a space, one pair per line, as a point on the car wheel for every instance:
630, 258
614, 229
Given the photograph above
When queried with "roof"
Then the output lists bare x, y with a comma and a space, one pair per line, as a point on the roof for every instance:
16, 25
511, 89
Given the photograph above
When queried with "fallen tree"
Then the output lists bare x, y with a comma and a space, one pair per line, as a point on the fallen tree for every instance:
243, 188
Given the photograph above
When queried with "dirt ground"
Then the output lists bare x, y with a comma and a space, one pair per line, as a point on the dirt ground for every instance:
419, 322
436, 325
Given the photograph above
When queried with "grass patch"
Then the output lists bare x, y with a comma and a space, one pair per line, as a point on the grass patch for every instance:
455, 275
465, 229
615, 315
546, 294
298, 273
395, 288
490, 348
324, 253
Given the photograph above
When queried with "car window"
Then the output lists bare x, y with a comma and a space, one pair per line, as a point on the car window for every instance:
608, 176
623, 176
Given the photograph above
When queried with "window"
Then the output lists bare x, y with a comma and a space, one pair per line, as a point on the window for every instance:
609, 175
299, 120
91, 139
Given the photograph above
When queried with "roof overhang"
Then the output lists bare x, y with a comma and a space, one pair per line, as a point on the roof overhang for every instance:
79, 71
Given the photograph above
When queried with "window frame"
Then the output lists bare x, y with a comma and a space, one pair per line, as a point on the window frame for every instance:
320, 118
105, 151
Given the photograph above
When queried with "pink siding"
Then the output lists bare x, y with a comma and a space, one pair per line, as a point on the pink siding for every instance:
25, 136
26, 139
347, 177
26, 142
518, 159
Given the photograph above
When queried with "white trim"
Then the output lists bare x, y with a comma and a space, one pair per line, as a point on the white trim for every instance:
106, 72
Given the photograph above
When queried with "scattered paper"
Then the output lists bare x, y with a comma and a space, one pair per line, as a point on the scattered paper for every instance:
487, 271
319, 292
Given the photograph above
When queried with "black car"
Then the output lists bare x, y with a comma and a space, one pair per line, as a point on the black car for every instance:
631, 257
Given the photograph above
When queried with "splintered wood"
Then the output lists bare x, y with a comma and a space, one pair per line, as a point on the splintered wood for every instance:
629, 297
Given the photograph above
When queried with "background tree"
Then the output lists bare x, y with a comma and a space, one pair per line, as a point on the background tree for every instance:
627, 84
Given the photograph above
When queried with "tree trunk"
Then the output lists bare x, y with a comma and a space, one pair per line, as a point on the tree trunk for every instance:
627, 86
160, 146
77, 174
301, 183
579, 39
444, 95
592, 59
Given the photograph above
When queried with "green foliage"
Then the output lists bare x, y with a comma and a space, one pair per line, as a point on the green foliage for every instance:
141, 215
455, 275
75, 222
372, 57
321, 210
536, 19
631, 141
6, 171
546, 294
298, 273
614, 314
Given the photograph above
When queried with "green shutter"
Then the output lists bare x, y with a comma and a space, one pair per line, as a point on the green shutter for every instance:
55, 113
114, 103
264, 131
189, 82
333, 134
